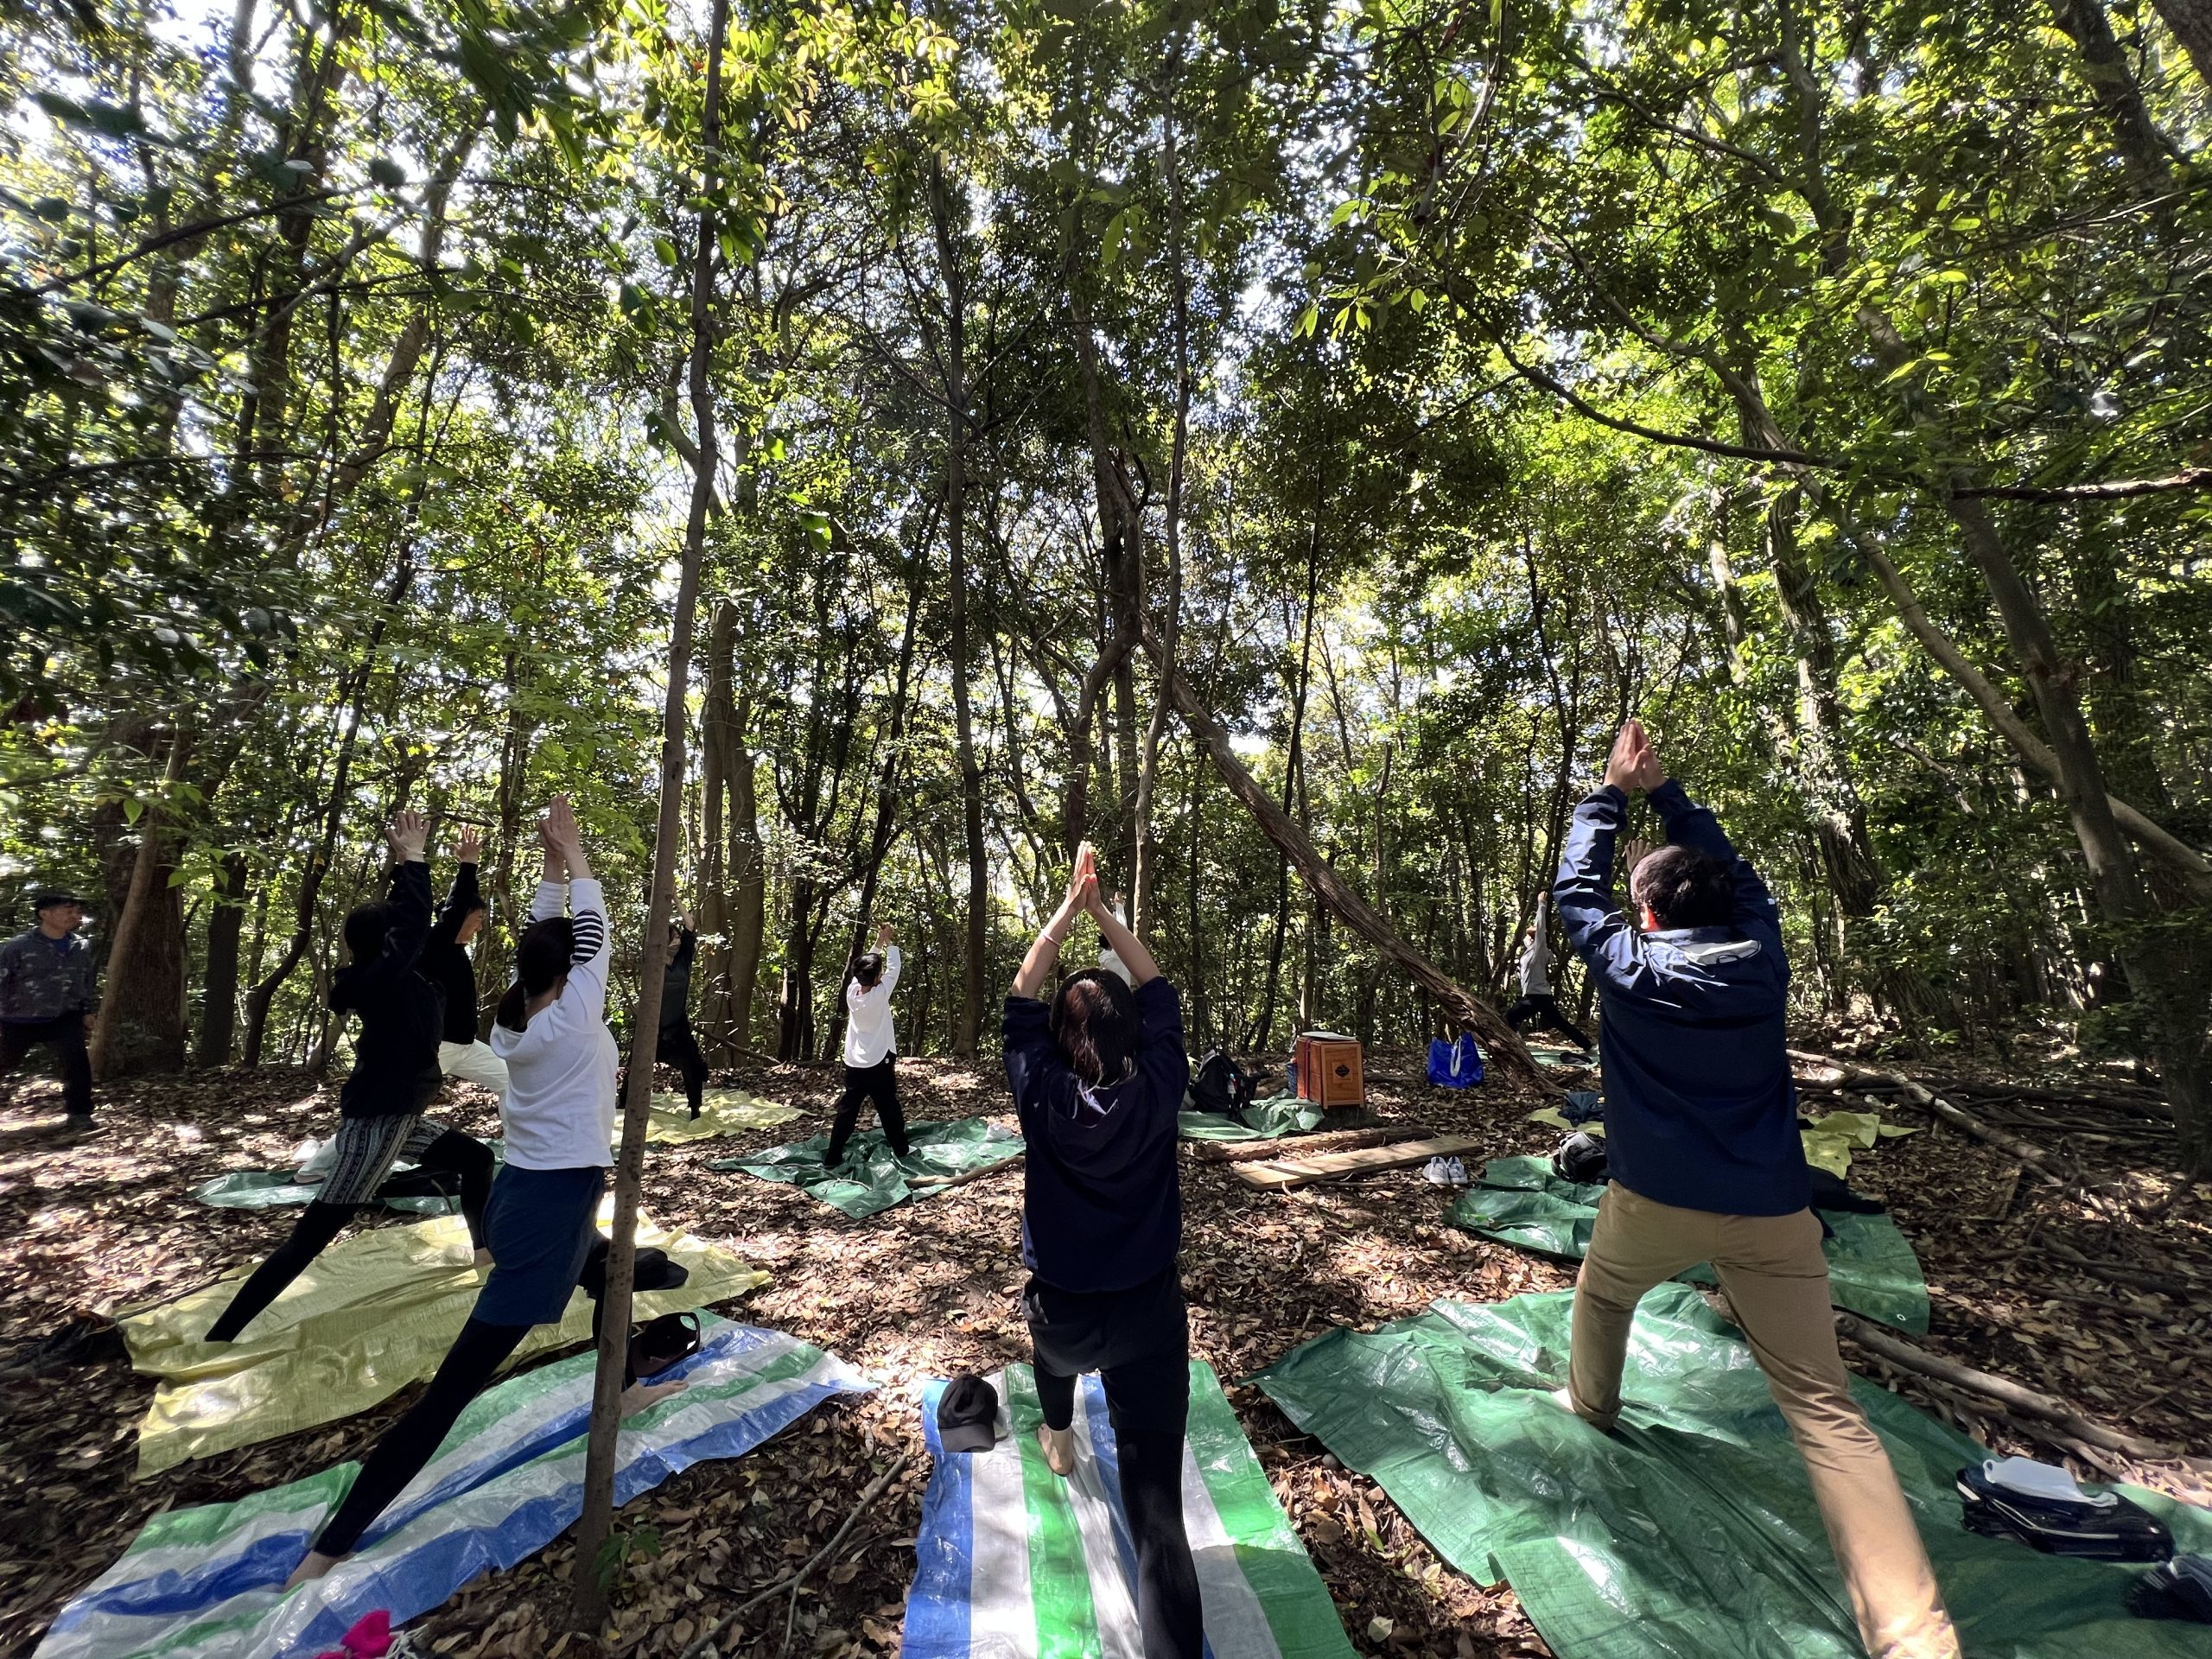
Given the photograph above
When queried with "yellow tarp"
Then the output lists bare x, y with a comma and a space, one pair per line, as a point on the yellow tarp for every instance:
376, 1311
722, 1111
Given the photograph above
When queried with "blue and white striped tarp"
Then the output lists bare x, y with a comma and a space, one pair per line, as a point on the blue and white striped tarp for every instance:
204, 1582
1016, 1563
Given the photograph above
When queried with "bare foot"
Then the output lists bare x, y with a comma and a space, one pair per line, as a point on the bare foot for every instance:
1059, 1449
639, 1395
314, 1567
483, 1258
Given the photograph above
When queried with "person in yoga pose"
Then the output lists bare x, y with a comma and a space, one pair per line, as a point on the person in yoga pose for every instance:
1097, 1079
558, 1114
871, 1050
447, 964
1707, 1166
676, 1043
1536, 1001
382, 1105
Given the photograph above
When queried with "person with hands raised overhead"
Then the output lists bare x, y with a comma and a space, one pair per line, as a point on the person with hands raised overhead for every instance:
559, 1115
1098, 1078
447, 964
1707, 1166
871, 1049
382, 1104
676, 1043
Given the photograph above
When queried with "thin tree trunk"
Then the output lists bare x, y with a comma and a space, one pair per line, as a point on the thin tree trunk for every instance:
219, 1009
1258, 1039
587, 1607
972, 969
718, 739
140, 1025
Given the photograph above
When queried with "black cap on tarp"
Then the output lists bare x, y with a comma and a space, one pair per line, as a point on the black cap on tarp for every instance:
968, 1414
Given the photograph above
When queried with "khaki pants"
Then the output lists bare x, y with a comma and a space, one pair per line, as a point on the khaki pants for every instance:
1776, 1281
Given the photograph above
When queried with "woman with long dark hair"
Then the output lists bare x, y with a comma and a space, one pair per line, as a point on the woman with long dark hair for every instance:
558, 1114
1097, 1079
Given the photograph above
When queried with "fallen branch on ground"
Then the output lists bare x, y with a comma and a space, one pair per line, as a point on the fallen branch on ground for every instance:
1239, 1152
701, 1643
944, 1183
2016, 1397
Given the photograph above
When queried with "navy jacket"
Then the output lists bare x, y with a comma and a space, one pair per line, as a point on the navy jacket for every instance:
1701, 1109
395, 1055
1103, 1205
446, 961
43, 979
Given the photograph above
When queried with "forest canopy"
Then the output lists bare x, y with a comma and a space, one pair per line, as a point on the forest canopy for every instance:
1202, 429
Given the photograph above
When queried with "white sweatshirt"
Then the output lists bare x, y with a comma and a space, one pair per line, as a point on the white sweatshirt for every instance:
869, 1037
1109, 958
1536, 960
558, 1111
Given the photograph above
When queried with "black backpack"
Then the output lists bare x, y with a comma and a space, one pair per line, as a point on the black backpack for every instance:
1580, 1157
2119, 1531
1220, 1087
658, 1343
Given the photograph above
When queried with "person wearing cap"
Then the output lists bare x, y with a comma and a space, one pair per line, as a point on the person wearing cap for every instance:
1706, 1165
46, 997
1097, 1079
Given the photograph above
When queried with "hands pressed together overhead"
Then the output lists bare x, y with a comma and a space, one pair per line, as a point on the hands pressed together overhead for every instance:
563, 841
1634, 763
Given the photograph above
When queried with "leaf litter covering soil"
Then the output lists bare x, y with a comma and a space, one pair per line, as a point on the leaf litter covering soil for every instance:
931, 1288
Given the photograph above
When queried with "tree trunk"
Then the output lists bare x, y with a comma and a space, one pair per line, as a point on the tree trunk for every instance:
718, 739
139, 1027
943, 207
218, 1008
748, 874
587, 1607
1469, 1011
2104, 65
2191, 22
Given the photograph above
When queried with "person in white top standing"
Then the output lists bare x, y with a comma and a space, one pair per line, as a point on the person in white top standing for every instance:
871, 1050
1537, 1003
558, 1114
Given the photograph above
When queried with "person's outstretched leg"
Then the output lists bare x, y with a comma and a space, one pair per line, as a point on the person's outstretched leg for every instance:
311, 1236
883, 1088
1634, 1245
65, 1036
849, 1114
472, 1160
1055, 1399
1776, 1281
1556, 1018
476, 1354
678, 1046
1148, 1403
1518, 1012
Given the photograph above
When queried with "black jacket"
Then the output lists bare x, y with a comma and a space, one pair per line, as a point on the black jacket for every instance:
445, 963
396, 1056
1102, 1205
675, 987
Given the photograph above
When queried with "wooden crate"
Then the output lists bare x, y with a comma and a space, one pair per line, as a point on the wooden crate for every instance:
1329, 1071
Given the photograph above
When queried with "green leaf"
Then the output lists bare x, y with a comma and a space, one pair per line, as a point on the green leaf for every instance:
387, 172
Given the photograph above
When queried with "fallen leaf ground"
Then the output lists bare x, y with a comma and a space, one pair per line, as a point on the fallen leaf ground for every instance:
931, 1288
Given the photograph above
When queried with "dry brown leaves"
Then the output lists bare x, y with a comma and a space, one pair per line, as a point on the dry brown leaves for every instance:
931, 1288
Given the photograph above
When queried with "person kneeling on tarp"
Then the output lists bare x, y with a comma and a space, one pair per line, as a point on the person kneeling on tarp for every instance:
1707, 1166
1097, 1082
871, 1050
558, 1114
381, 1116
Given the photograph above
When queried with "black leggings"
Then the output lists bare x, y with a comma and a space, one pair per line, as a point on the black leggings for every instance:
878, 1084
679, 1047
322, 1223
1544, 1011
410, 1444
1148, 1403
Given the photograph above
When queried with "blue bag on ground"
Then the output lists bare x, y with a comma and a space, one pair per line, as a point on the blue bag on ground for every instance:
1455, 1065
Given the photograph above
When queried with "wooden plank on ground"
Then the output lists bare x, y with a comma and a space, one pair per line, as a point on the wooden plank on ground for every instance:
1299, 1146
1329, 1165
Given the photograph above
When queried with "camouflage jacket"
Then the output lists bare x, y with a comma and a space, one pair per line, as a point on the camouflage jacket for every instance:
40, 979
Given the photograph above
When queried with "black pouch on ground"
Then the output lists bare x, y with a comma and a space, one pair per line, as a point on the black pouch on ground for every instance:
1220, 1086
1829, 1193
2109, 1530
658, 1343
649, 1269
1581, 1158
2182, 1588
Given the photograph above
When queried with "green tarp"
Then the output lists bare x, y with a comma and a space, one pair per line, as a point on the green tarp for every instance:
1264, 1119
875, 1178
1871, 1270
1692, 1533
